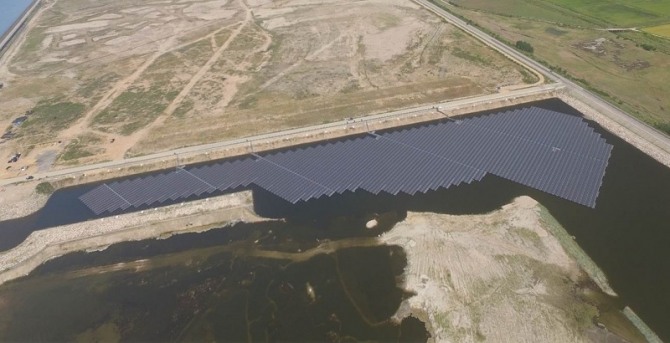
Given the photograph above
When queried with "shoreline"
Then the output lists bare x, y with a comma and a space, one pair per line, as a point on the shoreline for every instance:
7, 38
284, 139
20, 200
614, 127
159, 223
484, 278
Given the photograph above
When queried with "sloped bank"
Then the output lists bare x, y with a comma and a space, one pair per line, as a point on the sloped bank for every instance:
195, 216
511, 275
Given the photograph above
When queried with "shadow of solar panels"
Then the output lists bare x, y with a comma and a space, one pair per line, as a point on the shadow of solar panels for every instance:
554, 152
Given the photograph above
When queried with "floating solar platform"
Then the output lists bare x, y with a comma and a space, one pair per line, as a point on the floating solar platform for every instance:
553, 152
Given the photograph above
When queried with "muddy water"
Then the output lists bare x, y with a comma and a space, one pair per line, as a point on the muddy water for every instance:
627, 234
231, 284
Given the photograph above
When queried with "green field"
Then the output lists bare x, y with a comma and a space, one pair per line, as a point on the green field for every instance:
615, 13
661, 30
629, 69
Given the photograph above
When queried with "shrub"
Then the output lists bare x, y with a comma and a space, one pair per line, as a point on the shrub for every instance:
524, 46
648, 47
45, 188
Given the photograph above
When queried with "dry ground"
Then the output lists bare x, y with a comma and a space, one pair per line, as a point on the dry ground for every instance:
157, 75
509, 276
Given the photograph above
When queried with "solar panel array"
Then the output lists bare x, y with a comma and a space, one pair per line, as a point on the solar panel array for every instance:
550, 151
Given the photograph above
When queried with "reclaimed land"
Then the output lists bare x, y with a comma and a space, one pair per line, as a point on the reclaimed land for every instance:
119, 79
496, 270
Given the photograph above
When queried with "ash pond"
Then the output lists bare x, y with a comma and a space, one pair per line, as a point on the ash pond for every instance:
264, 281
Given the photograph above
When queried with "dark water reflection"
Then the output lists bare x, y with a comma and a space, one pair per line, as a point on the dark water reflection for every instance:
627, 234
213, 286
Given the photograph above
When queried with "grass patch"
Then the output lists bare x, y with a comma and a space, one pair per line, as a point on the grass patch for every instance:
145, 100
31, 45
183, 108
468, 56
135, 108
79, 148
641, 92
527, 77
660, 30
75, 151
577, 13
91, 87
528, 236
248, 102
664, 127
351, 87
574, 250
45, 188
542, 10
385, 21
554, 31
53, 116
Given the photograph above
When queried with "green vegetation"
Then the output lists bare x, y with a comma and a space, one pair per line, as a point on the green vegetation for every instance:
90, 88
78, 148
32, 44
136, 108
661, 30
527, 77
555, 32
648, 47
469, 56
51, 116
144, 101
574, 250
627, 68
665, 127
618, 13
45, 188
524, 46
183, 108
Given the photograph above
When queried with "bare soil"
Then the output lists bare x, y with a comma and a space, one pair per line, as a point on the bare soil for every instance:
500, 277
155, 76
20, 200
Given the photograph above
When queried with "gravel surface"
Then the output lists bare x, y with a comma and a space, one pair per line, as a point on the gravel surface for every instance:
20, 200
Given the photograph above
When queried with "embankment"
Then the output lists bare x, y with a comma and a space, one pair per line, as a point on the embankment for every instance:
195, 216
265, 142
619, 130
8, 37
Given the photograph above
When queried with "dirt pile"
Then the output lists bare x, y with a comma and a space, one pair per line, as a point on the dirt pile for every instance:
500, 277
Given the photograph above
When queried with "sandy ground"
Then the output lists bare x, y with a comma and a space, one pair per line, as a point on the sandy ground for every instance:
196, 216
159, 75
19, 200
500, 277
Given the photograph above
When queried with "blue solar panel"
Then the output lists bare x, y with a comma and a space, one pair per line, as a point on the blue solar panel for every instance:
550, 151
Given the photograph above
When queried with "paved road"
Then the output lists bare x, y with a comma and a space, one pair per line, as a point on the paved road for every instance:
249, 141
642, 129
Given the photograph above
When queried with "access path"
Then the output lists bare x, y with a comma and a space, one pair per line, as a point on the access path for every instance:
633, 124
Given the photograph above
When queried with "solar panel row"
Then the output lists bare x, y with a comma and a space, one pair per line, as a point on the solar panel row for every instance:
550, 151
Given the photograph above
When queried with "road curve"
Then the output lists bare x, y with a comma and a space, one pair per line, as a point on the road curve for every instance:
633, 124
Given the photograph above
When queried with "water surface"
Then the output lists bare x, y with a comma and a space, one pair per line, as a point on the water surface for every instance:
249, 282
627, 234
10, 11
